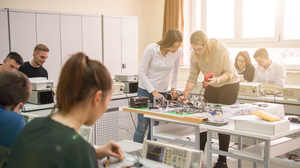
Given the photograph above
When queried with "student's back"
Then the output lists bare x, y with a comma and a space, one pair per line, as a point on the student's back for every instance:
15, 90
46, 143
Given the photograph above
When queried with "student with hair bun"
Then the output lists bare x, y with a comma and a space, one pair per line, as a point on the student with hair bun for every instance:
83, 93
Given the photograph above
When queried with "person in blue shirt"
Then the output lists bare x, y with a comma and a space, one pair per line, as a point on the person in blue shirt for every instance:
15, 90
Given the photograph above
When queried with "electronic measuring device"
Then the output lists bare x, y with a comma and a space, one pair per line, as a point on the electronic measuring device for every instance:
291, 92
175, 156
42, 91
157, 155
251, 89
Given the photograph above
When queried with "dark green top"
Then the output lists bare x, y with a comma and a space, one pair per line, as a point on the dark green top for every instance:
45, 143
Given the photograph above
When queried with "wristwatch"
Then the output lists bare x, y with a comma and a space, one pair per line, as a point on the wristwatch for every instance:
218, 81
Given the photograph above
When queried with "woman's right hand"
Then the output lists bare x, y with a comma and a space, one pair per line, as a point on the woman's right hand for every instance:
156, 94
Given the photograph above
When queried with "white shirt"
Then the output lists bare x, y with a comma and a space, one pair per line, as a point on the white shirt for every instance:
154, 71
275, 73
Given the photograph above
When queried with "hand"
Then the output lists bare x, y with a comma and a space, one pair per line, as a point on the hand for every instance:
210, 81
110, 149
174, 94
17, 107
181, 99
156, 94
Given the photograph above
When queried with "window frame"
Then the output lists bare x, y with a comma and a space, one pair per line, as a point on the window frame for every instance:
277, 42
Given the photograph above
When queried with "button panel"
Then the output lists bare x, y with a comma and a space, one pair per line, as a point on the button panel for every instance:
174, 157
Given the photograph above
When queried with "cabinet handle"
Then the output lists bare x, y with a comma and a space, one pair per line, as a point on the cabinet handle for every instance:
123, 65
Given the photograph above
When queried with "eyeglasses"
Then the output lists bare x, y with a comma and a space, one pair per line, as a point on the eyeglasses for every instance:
198, 50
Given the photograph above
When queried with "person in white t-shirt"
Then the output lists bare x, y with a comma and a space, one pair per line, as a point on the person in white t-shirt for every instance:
158, 61
267, 69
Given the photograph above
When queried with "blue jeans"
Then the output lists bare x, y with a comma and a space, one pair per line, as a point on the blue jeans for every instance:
143, 122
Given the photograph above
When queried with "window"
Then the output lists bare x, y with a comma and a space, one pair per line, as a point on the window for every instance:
252, 24
292, 20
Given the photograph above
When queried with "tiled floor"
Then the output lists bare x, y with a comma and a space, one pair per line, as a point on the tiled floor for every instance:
281, 161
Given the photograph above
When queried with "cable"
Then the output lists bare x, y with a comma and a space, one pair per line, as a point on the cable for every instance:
129, 112
52, 94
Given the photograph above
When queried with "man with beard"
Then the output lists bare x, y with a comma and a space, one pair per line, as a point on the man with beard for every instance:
34, 68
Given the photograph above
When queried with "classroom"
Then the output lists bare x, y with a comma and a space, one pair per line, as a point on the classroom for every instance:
150, 83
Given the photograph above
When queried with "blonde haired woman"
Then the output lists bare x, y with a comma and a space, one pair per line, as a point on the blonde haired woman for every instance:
211, 55
156, 65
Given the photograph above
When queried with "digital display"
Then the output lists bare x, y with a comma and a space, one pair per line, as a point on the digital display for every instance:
155, 153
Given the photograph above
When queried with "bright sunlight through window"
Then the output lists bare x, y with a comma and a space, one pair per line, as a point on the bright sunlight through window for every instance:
259, 18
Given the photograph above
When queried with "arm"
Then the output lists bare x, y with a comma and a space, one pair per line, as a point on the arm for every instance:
250, 73
255, 78
174, 78
109, 149
228, 68
143, 69
281, 76
188, 88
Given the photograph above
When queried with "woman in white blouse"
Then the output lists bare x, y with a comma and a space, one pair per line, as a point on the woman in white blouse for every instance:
154, 72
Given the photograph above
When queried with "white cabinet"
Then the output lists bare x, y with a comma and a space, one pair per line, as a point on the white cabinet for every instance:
92, 37
120, 45
71, 39
4, 40
81, 33
29, 28
130, 46
112, 44
48, 33
22, 33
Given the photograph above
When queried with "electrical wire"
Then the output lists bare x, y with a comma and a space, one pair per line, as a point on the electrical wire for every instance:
130, 112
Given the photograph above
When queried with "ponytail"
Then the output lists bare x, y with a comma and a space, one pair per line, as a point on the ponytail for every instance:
81, 78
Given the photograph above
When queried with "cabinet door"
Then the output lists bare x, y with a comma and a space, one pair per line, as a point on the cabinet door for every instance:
71, 41
22, 33
112, 48
48, 33
92, 37
130, 46
4, 41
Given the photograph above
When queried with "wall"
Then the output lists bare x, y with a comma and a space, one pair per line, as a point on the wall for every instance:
149, 13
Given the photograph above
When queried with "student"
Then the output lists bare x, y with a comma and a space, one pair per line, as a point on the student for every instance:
15, 90
12, 62
34, 68
244, 66
83, 93
211, 55
267, 69
156, 65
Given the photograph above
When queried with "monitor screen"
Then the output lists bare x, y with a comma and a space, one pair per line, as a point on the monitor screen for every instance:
155, 153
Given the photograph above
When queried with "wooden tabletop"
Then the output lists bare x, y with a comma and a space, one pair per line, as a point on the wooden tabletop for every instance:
190, 118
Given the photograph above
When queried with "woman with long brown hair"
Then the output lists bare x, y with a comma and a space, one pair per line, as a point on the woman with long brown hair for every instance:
83, 93
244, 66
158, 60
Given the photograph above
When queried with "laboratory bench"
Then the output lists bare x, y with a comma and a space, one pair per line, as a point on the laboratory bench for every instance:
115, 124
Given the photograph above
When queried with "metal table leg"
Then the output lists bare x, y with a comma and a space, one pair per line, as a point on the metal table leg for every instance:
209, 147
197, 137
240, 146
152, 123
